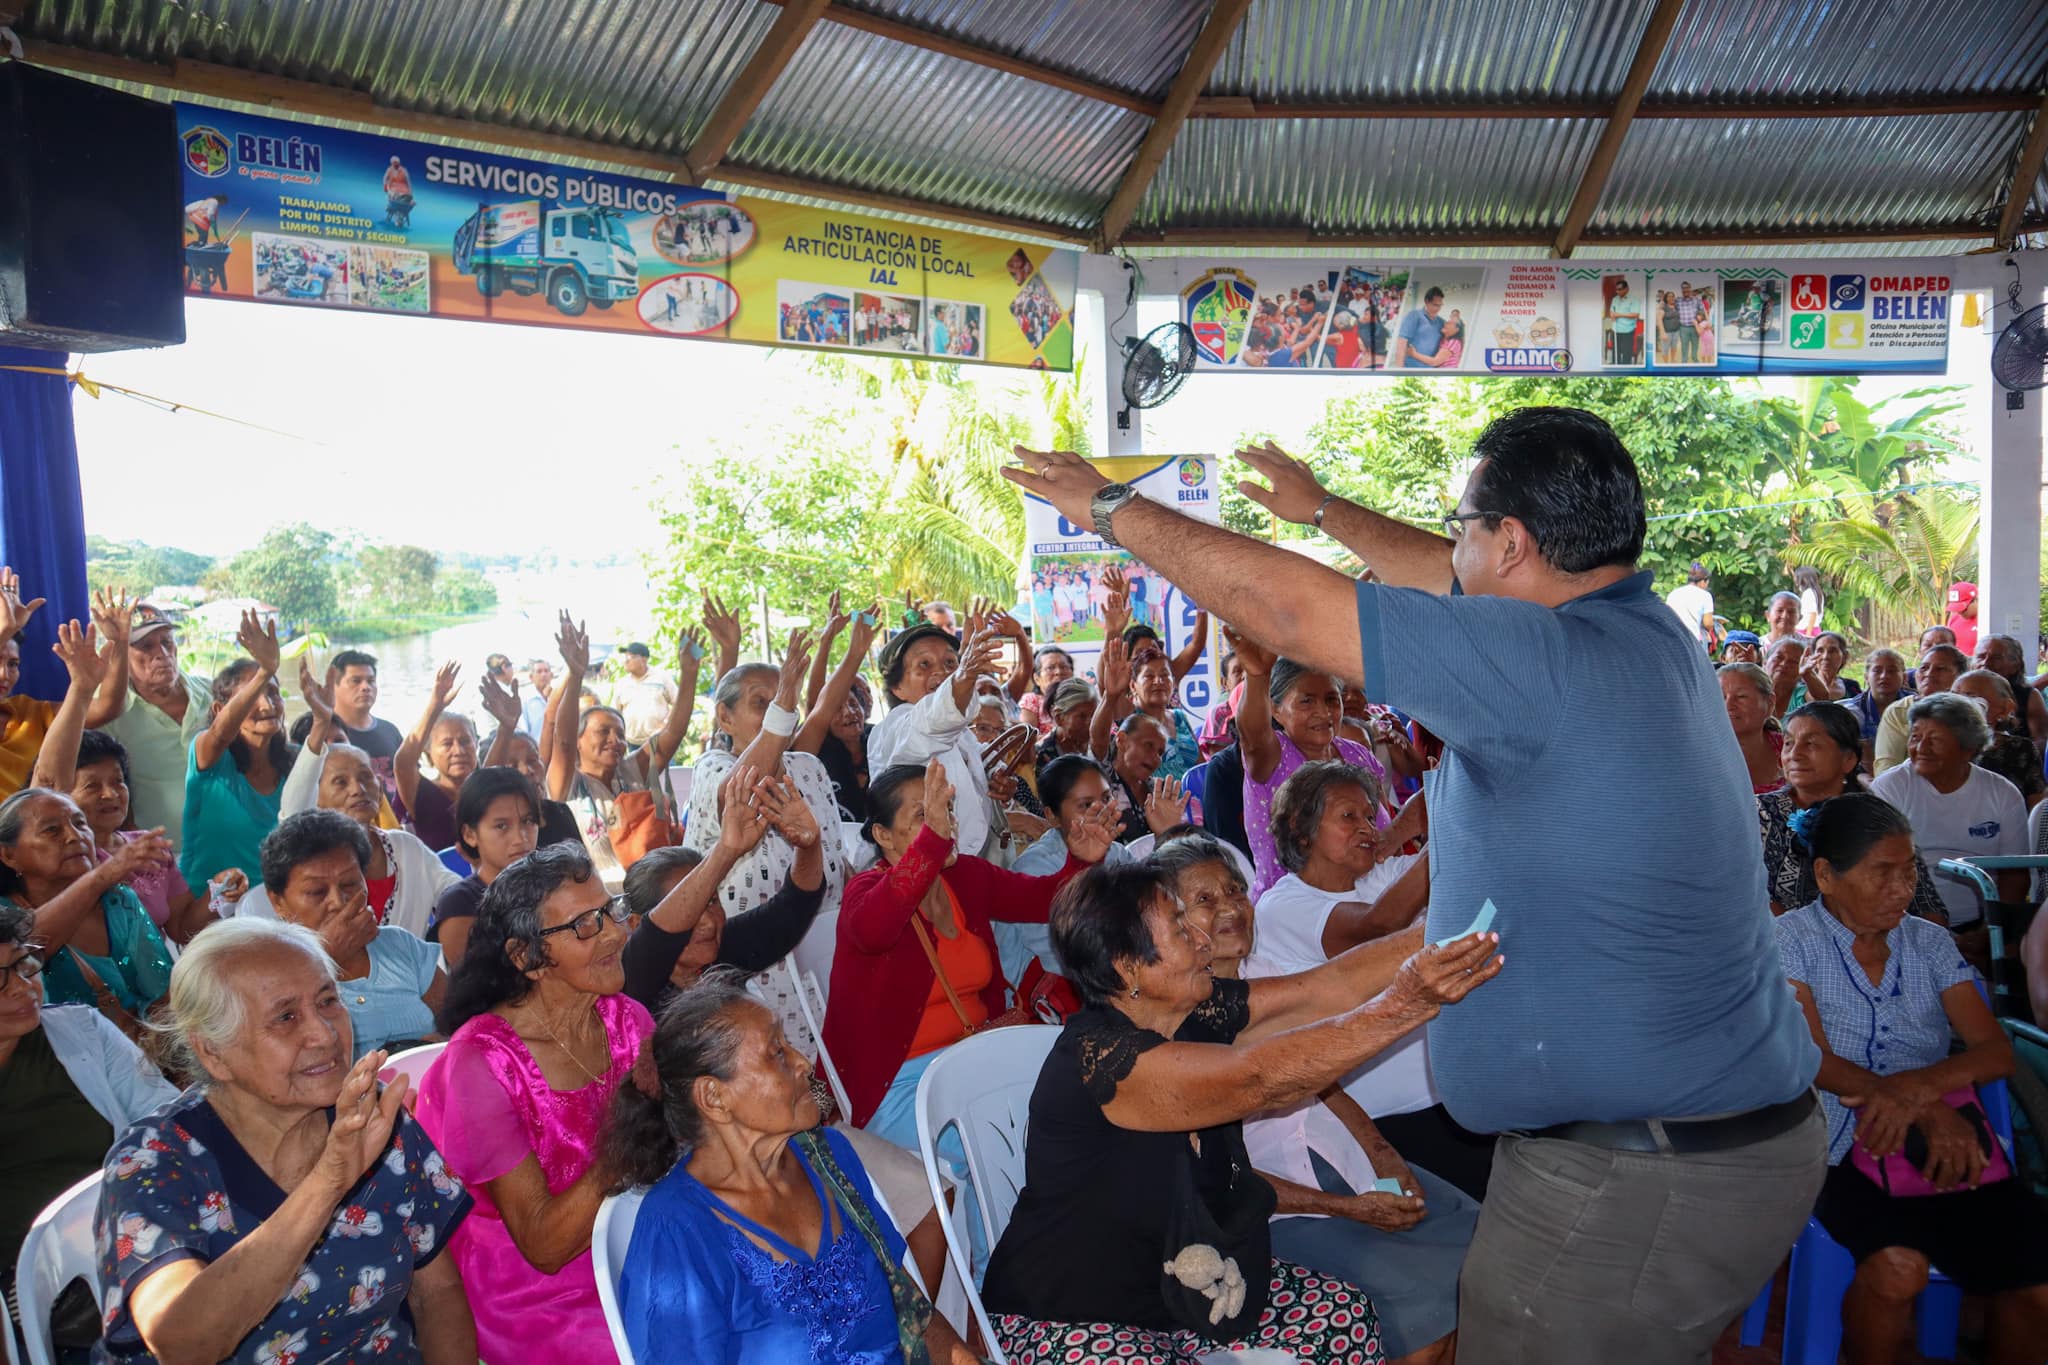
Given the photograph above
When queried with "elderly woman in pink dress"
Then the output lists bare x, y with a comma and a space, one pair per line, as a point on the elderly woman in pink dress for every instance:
1306, 707
540, 1037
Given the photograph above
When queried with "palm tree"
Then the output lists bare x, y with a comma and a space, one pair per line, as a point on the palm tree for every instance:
1902, 553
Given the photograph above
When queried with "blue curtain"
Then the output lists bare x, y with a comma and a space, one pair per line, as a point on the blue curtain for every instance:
42, 513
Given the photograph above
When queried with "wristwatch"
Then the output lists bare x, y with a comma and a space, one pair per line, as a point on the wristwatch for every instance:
1109, 499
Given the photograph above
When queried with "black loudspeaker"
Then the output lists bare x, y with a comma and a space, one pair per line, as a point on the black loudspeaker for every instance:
90, 211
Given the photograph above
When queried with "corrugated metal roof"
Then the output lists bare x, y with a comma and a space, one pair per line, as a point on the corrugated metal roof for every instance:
856, 109
1731, 50
1423, 50
1736, 174
1393, 175
1130, 45
639, 73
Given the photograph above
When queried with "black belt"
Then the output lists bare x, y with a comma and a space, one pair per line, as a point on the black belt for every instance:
1687, 1136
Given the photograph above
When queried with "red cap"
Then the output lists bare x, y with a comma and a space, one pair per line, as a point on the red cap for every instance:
1961, 594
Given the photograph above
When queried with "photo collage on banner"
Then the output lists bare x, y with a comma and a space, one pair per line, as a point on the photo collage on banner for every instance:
1423, 317
284, 212
1067, 591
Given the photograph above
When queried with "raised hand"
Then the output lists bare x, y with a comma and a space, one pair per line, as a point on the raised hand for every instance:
139, 854
14, 613
978, 655
787, 811
1256, 660
1090, 833
1113, 669
1165, 804
796, 665
865, 626
86, 664
501, 703
1295, 492
113, 612
1062, 478
835, 619
689, 659
741, 819
258, 640
318, 696
1444, 975
572, 642
447, 681
913, 610
722, 623
362, 1124
938, 800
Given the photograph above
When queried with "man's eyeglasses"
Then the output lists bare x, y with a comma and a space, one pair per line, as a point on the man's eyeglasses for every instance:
590, 923
1454, 522
26, 969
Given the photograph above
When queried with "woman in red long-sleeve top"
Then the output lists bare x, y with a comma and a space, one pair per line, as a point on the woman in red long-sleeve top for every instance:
888, 1014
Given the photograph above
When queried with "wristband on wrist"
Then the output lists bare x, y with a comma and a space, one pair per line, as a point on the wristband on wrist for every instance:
780, 720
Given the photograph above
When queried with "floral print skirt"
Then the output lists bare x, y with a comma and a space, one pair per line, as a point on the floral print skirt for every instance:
1314, 1318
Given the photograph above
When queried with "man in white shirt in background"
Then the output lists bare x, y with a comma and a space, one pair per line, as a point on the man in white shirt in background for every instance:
1694, 604
533, 707
643, 696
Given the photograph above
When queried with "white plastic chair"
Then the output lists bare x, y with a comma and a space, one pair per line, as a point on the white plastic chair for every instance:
982, 1086
411, 1064
810, 999
814, 954
609, 1238
58, 1249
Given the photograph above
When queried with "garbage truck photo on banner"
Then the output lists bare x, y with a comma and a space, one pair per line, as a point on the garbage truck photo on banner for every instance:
1420, 317
1068, 589
284, 212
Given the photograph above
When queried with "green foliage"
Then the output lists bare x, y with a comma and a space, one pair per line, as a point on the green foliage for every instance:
463, 592
887, 477
1903, 552
140, 567
289, 570
400, 578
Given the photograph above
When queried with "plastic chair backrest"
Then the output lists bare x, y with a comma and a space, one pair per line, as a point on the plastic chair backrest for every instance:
1196, 780
811, 1001
452, 859
609, 1238
58, 1249
981, 1086
411, 1064
814, 953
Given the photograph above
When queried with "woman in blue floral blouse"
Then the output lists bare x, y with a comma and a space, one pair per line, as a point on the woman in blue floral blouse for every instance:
286, 1209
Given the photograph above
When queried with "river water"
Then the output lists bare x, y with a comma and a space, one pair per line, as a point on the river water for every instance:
616, 605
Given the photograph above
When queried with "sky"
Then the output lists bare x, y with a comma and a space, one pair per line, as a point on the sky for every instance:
493, 439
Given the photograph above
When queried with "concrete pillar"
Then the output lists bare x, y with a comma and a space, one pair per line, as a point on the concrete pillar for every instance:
1106, 275
2009, 540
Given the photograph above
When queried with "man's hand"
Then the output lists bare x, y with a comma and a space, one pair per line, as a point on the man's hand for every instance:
1296, 492
1062, 478
112, 612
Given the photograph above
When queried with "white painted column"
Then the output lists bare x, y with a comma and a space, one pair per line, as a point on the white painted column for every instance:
1106, 275
2009, 543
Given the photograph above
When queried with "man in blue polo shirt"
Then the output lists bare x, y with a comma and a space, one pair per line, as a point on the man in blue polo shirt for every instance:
1641, 1055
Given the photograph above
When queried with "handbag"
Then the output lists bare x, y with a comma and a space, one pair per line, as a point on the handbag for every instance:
1898, 1175
107, 1002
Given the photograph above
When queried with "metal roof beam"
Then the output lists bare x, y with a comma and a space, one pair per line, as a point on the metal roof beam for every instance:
1424, 239
1244, 107
751, 86
1656, 35
2032, 153
910, 35
1208, 48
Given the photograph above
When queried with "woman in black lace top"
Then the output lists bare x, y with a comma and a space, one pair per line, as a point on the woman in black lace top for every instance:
1141, 1231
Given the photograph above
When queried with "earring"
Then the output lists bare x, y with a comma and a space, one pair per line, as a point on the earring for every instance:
1134, 992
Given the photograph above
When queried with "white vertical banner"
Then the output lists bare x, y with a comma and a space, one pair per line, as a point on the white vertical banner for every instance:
1067, 593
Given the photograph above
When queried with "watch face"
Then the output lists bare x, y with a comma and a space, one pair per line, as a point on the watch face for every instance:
1109, 492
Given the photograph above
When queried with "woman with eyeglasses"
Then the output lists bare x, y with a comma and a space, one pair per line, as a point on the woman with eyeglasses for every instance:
69, 1081
540, 1035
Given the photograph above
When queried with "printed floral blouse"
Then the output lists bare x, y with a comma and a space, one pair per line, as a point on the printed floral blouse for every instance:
177, 1185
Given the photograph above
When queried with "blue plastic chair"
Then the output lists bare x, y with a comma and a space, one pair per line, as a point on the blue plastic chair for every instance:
452, 859
1822, 1271
1196, 780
